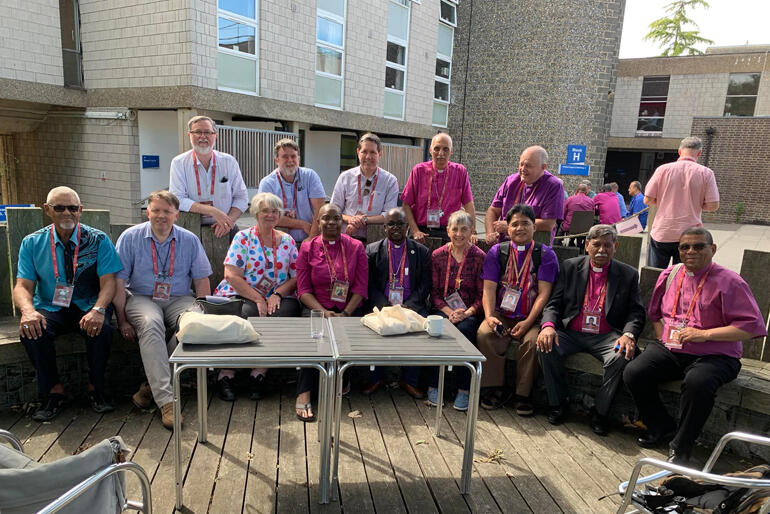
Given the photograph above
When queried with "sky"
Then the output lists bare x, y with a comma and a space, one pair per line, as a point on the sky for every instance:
726, 22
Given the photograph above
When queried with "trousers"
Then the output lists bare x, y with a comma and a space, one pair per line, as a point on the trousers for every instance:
660, 253
494, 349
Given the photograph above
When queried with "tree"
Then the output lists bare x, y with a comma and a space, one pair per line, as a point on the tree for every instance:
670, 34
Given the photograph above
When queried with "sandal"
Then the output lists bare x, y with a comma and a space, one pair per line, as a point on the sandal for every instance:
307, 408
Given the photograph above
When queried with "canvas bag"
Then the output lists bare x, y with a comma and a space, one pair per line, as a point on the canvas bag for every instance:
198, 328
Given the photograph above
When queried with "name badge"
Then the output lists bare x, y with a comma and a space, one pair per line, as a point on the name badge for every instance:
290, 213
161, 290
396, 295
264, 286
455, 301
590, 323
671, 330
62, 295
434, 215
510, 299
340, 291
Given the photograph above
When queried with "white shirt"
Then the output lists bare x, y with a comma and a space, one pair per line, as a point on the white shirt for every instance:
345, 194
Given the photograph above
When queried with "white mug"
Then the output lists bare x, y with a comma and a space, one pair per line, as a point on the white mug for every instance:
433, 324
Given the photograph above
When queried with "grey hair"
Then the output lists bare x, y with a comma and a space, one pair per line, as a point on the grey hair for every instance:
541, 153
61, 190
261, 199
582, 188
698, 231
691, 143
637, 185
196, 119
606, 188
598, 231
460, 217
586, 182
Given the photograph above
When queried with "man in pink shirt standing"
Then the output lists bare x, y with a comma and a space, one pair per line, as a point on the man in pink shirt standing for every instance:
435, 189
606, 206
681, 190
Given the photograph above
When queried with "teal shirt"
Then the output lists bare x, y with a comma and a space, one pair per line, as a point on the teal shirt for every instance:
96, 257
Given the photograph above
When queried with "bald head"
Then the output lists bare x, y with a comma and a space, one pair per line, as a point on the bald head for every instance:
582, 188
532, 164
62, 193
441, 150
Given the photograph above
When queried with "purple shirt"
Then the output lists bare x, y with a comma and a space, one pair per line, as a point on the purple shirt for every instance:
596, 281
396, 252
547, 272
457, 194
724, 300
545, 196
606, 206
578, 202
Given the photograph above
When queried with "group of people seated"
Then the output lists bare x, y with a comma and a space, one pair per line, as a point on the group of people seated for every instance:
70, 277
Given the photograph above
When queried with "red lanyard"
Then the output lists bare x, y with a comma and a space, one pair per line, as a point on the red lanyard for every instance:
400, 267
74, 259
599, 305
520, 273
449, 268
330, 264
283, 193
443, 190
264, 251
213, 171
520, 191
155, 258
695, 296
371, 192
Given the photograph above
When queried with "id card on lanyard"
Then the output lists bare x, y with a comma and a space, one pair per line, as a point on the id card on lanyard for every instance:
198, 179
161, 290
62, 294
339, 288
266, 284
673, 325
289, 212
592, 318
454, 300
396, 291
517, 282
433, 216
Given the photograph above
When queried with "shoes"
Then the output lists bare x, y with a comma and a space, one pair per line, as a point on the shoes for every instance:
461, 401
653, 440
99, 403
599, 424
523, 406
678, 457
433, 397
167, 416
256, 387
225, 389
143, 397
51, 409
411, 390
495, 399
308, 408
372, 387
557, 415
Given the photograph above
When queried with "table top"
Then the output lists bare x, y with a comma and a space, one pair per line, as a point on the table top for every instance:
355, 342
281, 340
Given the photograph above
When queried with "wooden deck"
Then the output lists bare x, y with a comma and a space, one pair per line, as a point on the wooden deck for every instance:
260, 458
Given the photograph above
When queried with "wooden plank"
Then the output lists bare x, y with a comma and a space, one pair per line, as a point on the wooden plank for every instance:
355, 495
21, 221
233, 466
263, 469
411, 481
754, 271
137, 436
9, 418
97, 218
292, 464
47, 433
6, 279
110, 425
73, 436
191, 222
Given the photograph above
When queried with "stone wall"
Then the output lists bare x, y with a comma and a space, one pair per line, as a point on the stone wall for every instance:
532, 72
739, 154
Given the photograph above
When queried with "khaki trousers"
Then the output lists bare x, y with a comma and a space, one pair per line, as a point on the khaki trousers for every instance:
494, 349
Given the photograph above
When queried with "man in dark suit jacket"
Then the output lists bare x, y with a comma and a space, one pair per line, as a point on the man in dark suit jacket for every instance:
399, 273
595, 307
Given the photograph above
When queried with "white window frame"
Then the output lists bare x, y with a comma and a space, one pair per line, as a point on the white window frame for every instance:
396, 66
320, 13
222, 13
755, 96
453, 4
437, 78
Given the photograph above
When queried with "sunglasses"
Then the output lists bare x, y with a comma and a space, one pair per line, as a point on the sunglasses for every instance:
60, 208
395, 224
367, 186
697, 247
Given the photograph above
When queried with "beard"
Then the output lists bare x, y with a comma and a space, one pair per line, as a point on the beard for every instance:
67, 225
203, 150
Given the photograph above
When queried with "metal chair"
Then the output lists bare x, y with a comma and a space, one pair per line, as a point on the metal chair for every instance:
88, 483
627, 489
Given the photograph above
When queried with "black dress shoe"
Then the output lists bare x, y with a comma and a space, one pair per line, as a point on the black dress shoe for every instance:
678, 457
653, 440
51, 409
599, 424
99, 403
557, 415
225, 389
256, 387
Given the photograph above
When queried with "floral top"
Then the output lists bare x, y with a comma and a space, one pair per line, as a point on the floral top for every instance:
247, 253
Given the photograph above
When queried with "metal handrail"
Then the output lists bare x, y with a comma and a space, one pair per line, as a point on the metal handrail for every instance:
12, 439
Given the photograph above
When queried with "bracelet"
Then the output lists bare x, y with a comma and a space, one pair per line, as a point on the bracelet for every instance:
279, 295
346, 314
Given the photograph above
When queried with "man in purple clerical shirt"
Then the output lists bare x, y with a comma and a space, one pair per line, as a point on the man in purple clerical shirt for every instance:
701, 313
533, 185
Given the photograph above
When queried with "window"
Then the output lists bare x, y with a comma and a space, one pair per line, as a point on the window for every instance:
237, 55
69, 16
395, 59
652, 106
741, 94
330, 53
443, 73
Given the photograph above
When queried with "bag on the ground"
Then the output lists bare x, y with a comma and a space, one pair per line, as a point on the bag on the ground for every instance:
197, 328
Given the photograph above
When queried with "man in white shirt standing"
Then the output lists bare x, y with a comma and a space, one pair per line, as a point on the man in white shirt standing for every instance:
208, 182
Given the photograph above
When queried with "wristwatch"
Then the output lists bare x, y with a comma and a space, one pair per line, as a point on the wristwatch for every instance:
630, 335
364, 219
100, 310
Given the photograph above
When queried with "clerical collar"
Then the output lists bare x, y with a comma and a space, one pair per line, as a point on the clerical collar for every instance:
334, 242
689, 273
521, 248
395, 245
596, 270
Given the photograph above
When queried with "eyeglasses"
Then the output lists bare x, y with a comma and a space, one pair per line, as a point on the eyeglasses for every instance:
697, 247
367, 185
199, 133
71, 208
395, 224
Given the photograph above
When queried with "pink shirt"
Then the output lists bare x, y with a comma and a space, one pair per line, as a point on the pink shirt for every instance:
596, 280
313, 274
607, 207
578, 202
680, 189
724, 300
457, 194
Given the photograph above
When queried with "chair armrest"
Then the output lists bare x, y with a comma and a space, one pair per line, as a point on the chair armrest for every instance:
12, 439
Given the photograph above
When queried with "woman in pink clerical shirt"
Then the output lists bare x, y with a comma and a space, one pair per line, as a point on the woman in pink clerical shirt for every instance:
332, 275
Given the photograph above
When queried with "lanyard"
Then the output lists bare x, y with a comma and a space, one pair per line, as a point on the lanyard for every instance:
695, 296
371, 192
170, 258
400, 266
599, 305
513, 266
520, 191
449, 268
330, 264
74, 259
264, 251
213, 172
283, 193
443, 190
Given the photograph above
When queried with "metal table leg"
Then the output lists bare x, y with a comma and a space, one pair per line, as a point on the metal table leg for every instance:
470, 427
337, 417
325, 409
440, 403
202, 405
177, 438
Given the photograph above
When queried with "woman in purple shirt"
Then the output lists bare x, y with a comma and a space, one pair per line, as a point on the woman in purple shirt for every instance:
332, 276
456, 293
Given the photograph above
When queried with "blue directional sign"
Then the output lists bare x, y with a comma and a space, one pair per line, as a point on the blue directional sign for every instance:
574, 169
576, 154
150, 161
2, 209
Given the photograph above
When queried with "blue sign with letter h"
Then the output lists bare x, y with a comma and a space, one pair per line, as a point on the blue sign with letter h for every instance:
576, 154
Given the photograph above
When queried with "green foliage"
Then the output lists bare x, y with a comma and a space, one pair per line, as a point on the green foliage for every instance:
740, 207
670, 34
